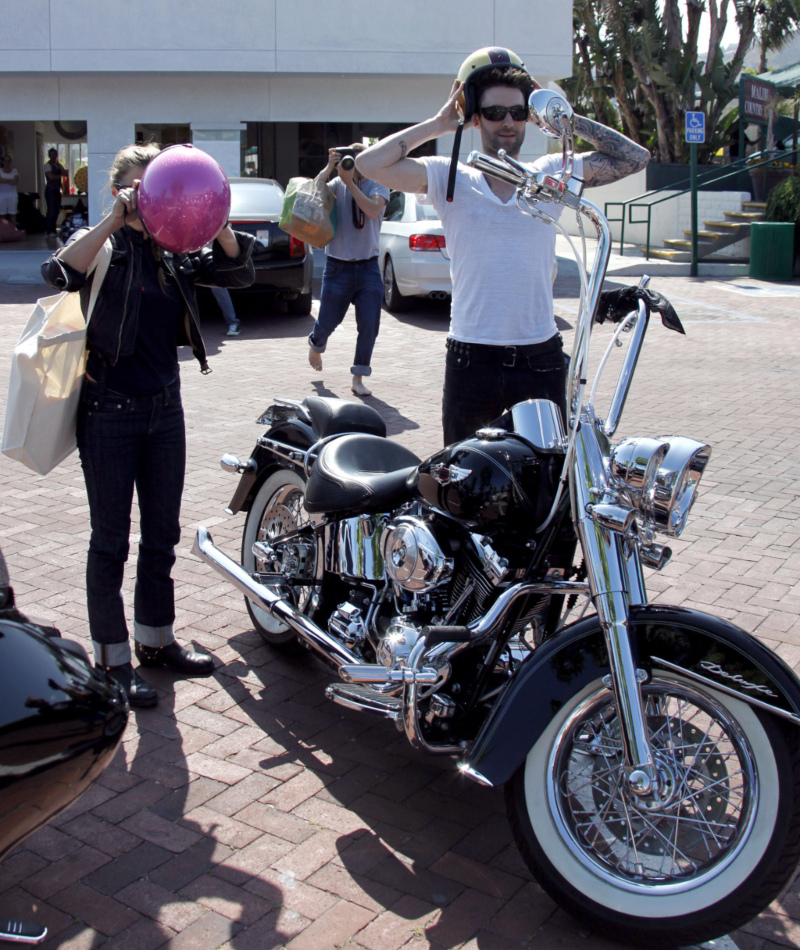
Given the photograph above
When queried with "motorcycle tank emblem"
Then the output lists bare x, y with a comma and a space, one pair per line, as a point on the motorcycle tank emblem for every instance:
449, 474
736, 678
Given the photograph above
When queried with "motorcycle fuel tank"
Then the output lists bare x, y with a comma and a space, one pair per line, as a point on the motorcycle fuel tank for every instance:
60, 724
495, 481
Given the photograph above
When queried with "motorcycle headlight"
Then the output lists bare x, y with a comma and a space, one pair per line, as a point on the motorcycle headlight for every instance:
677, 482
659, 478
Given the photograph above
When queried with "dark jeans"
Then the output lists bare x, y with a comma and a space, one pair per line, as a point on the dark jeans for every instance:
53, 198
127, 441
481, 382
345, 283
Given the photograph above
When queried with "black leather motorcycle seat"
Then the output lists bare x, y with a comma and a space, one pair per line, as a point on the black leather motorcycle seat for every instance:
333, 416
360, 473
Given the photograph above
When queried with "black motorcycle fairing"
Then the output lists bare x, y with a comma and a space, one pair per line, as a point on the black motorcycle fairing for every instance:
60, 724
338, 416
363, 472
682, 640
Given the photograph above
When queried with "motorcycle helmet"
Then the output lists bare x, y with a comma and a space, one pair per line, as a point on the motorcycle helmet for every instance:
482, 59
489, 57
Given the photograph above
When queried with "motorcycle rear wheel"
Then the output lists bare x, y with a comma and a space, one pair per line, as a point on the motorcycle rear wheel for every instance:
278, 508
721, 847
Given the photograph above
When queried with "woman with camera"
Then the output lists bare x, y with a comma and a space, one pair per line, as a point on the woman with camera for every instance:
351, 274
131, 432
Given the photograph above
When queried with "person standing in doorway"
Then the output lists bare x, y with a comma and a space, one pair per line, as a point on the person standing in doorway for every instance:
9, 182
54, 172
351, 274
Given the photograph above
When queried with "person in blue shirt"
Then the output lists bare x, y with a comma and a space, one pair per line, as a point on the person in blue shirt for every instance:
351, 274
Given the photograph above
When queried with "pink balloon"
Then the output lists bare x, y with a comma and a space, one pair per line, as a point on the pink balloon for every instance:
184, 199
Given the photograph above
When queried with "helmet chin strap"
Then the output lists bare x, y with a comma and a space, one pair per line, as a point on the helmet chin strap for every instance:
451, 178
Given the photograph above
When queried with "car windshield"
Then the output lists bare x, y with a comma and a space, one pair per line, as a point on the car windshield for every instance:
255, 197
426, 213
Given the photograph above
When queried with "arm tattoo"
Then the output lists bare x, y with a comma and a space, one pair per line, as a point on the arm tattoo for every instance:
616, 156
403, 149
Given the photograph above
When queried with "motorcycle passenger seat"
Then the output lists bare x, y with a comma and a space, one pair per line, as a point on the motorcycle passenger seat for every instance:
335, 416
360, 473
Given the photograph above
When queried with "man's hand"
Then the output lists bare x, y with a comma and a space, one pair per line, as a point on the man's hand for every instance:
450, 115
346, 174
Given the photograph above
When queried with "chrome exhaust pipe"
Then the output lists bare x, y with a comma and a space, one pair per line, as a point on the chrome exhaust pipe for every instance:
321, 642
438, 295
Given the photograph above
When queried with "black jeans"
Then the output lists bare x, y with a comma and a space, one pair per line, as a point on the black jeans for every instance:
53, 198
481, 382
126, 442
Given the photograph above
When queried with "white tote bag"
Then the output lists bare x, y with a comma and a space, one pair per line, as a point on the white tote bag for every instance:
47, 369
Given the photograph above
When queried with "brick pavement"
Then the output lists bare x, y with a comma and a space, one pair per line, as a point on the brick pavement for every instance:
247, 812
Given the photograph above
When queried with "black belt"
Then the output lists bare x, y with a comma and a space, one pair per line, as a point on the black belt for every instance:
507, 355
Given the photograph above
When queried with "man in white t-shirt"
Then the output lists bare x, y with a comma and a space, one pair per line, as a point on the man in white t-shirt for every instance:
503, 345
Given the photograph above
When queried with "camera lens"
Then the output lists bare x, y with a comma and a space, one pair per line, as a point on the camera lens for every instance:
347, 162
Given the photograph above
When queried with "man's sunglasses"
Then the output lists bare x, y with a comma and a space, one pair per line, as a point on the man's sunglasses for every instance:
498, 113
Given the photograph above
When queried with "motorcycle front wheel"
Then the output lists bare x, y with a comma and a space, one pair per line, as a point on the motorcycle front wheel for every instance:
718, 844
277, 509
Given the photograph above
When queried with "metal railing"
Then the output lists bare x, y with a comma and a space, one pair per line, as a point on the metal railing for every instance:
728, 171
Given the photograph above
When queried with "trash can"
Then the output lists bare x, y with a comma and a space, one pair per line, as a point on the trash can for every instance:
771, 250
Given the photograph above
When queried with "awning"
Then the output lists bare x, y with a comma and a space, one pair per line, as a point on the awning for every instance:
787, 80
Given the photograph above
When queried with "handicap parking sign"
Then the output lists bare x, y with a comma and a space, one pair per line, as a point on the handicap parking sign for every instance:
695, 126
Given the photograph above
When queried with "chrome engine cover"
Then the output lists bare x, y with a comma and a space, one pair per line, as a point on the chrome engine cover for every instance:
412, 556
400, 639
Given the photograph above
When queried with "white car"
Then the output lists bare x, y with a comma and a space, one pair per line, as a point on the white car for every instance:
413, 254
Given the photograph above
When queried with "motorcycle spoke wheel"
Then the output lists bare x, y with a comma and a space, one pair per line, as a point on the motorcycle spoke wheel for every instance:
278, 508
706, 855
708, 790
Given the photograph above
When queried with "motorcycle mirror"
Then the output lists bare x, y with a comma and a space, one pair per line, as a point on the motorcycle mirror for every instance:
550, 111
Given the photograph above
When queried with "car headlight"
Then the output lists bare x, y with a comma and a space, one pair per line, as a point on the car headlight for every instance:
659, 478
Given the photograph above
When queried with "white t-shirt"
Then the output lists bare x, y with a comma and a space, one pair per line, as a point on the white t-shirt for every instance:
7, 186
501, 260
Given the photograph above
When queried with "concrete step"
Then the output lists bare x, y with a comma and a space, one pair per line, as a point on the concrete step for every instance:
728, 226
705, 235
675, 256
744, 215
754, 205
677, 243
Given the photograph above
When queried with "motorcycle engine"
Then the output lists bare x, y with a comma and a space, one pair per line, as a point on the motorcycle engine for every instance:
413, 557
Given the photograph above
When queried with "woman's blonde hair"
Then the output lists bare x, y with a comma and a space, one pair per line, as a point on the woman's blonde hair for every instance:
132, 156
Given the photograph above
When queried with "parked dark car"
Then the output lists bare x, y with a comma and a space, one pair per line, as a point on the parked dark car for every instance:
284, 265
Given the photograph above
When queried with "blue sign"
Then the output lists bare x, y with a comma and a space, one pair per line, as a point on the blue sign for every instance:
695, 126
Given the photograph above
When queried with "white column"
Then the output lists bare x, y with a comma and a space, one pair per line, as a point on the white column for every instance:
223, 142
107, 133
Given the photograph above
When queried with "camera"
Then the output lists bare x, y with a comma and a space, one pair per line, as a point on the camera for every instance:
348, 157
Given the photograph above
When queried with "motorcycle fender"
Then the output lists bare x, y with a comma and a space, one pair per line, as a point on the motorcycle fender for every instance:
694, 644
264, 461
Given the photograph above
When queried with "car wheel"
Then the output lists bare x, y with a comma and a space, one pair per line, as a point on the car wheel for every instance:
392, 297
300, 306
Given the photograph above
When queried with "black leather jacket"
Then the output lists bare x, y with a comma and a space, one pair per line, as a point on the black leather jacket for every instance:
112, 329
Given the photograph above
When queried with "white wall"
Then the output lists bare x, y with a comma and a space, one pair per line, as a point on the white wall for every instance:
669, 219
254, 36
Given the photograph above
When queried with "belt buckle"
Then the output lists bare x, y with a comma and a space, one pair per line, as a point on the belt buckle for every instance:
510, 357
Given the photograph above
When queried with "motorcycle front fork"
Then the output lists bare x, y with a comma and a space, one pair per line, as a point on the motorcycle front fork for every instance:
616, 583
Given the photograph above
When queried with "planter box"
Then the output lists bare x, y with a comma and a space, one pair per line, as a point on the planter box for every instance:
774, 176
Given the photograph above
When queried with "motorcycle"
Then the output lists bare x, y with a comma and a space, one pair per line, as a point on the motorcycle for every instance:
61, 722
649, 753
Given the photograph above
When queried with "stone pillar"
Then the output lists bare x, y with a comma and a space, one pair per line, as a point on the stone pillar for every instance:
107, 133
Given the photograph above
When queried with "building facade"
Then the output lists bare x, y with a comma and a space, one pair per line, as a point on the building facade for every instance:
265, 86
